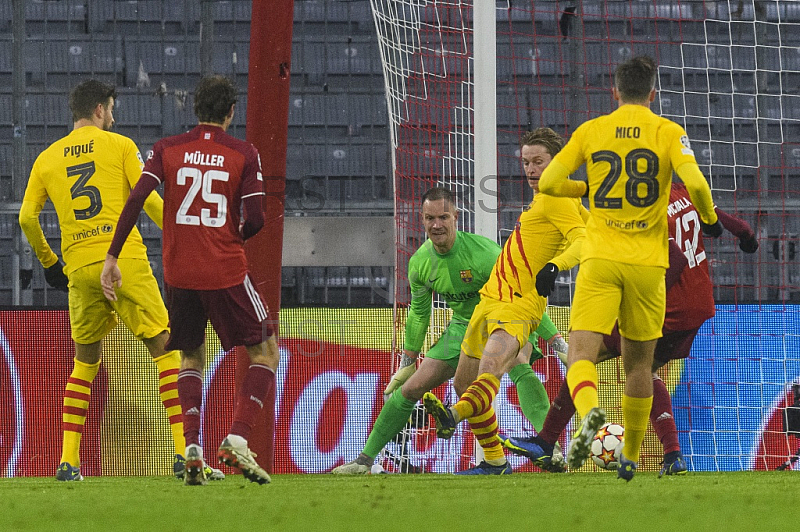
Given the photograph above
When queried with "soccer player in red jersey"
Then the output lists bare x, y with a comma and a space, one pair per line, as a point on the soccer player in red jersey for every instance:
208, 177
690, 302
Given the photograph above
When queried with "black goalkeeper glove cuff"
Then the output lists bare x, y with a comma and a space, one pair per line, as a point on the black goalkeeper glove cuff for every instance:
546, 279
54, 275
749, 244
713, 230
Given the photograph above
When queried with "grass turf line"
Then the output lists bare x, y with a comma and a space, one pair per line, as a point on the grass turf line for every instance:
698, 501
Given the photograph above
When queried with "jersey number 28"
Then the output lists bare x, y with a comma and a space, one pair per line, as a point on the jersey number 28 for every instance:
636, 178
202, 181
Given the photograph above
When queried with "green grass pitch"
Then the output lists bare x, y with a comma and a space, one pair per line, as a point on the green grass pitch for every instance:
536, 501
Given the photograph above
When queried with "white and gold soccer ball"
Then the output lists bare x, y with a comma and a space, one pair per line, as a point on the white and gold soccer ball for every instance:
607, 446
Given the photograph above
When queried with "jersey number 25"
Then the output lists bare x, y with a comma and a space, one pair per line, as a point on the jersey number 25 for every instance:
202, 181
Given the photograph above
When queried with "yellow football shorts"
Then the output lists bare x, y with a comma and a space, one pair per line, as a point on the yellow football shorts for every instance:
518, 318
599, 302
138, 303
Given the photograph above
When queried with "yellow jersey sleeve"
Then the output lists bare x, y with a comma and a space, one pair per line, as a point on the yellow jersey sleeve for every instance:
32, 203
557, 182
699, 191
565, 215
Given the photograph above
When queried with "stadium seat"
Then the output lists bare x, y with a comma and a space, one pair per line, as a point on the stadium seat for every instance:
174, 60
307, 110
153, 17
5, 160
6, 109
232, 12
49, 109
342, 160
331, 11
5, 61
308, 57
552, 109
65, 59
600, 103
54, 17
140, 112
509, 115
6, 15
232, 58
230, 18
328, 109
354, 56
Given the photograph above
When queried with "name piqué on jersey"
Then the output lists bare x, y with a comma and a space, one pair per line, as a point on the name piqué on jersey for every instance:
203, 159
79, 149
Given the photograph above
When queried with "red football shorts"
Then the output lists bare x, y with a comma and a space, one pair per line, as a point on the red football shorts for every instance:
671, 346
238, 314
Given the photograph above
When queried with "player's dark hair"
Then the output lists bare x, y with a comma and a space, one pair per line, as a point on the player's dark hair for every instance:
83, 99
439, 193
545, 137
213, 99
635, 78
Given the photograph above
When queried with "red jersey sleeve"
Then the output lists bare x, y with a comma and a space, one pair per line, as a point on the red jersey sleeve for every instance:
154, 166
252, 180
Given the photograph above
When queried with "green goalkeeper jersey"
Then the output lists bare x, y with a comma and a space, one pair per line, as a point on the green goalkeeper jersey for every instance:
457, 276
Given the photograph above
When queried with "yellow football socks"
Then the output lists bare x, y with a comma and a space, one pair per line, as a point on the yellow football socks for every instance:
635, 414
582, 382
478, 397
168, 367
484, 427
75, 407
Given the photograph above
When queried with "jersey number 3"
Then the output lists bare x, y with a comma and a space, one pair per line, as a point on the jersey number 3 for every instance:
80, 189
202, 180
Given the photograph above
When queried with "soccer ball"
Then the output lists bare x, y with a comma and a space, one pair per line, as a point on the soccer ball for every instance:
607, 446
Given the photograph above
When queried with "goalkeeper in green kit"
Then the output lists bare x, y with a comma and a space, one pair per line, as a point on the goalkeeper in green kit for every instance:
456, 265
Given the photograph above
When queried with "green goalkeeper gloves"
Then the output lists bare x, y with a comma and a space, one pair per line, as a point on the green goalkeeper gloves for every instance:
408, 366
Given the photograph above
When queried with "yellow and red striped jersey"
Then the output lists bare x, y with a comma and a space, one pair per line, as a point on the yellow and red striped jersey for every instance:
551, 230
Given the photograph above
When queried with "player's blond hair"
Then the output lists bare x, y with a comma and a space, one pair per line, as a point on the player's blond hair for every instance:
545, 137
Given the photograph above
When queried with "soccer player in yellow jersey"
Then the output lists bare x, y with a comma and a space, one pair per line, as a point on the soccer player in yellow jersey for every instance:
88, 175
630, 155
547, 238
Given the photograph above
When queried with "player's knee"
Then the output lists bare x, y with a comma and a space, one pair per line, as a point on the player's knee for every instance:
413, 391
265, 353
156, 345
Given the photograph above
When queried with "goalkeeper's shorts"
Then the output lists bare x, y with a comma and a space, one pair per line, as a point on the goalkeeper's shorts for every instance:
448, 347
